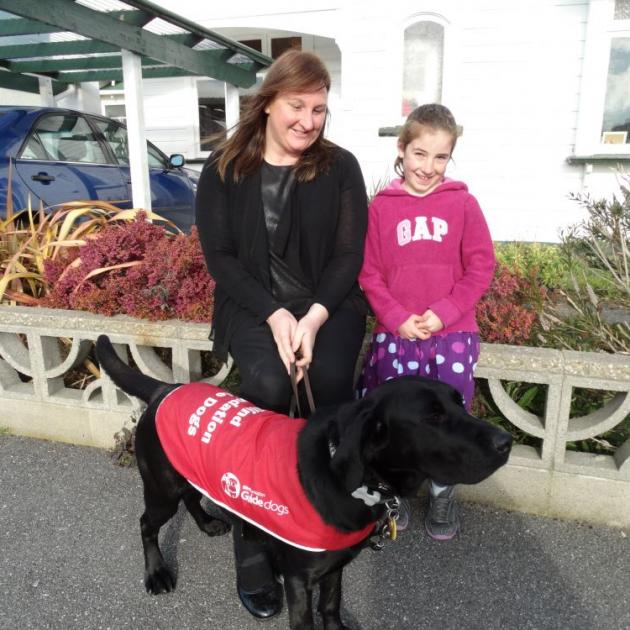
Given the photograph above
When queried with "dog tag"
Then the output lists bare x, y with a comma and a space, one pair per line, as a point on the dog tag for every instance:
392, 529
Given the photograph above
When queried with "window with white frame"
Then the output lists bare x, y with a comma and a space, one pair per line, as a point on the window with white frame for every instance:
423, 60
616, 119
604, 113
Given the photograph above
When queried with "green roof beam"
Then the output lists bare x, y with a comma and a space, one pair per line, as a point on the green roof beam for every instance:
51, 49
76, 47
42, 66
97, 25
112, 72
24, 83
36, 27
192, 27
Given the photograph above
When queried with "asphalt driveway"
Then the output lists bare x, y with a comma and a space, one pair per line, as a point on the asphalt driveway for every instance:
71, 558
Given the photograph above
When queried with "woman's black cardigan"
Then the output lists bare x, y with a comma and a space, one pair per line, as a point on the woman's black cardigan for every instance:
321, 238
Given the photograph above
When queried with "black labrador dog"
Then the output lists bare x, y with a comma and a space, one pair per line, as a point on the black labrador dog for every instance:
405, 431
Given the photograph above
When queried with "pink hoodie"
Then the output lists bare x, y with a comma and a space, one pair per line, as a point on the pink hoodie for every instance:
432, 252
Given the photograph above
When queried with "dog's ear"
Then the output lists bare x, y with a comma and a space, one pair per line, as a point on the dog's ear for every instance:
354, 431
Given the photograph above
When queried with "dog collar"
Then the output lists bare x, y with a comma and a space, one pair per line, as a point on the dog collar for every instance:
383, 494
370, 498
386, 528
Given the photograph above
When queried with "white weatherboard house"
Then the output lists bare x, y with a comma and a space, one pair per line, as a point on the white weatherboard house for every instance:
541, 89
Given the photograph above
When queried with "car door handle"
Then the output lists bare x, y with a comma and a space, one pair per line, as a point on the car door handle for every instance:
45, 178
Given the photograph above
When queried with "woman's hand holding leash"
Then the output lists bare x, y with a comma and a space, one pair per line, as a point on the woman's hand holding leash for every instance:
304, 336
283, 326
296, 338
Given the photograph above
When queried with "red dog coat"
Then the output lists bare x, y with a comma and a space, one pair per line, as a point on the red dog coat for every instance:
245, 460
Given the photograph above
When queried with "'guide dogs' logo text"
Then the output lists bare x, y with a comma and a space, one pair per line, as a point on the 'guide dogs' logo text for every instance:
232, 487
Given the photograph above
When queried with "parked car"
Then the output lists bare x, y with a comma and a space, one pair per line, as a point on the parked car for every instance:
63, 155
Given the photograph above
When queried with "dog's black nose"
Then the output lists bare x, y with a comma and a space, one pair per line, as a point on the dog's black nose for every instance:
502, 442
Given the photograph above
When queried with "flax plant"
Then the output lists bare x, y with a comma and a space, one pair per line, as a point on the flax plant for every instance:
30, 237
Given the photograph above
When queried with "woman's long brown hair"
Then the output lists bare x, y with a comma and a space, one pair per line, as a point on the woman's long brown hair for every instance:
293, 71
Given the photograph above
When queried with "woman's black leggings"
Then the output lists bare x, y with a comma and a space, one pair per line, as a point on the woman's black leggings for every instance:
264, 379
265, 382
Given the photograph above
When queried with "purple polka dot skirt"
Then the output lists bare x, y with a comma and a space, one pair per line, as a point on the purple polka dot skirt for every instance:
450, 358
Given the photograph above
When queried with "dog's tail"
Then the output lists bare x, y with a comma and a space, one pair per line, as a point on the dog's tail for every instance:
129, 380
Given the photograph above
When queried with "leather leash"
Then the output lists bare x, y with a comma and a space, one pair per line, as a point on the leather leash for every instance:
385, 528
295, 399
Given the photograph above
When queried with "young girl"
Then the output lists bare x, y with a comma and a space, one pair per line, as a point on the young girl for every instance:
428, 260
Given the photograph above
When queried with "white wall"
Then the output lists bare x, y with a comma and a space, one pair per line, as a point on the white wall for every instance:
519, 84
14, 97
83, 97
171, 117
512, 78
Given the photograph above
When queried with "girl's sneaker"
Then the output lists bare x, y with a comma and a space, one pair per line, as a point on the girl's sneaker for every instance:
404, 515
442, 520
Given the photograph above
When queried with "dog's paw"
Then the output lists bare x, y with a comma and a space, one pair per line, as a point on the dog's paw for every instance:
159, 580
216, 527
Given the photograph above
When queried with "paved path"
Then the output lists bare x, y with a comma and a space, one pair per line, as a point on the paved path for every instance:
70, 558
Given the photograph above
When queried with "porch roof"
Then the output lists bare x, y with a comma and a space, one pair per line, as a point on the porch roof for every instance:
78, 41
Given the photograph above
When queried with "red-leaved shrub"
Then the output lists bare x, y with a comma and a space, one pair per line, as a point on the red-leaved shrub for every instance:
509, 309
139, 270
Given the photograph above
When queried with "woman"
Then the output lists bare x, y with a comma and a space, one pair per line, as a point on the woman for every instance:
282, 215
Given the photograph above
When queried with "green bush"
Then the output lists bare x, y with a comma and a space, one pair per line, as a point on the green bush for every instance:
544, 260
588, 272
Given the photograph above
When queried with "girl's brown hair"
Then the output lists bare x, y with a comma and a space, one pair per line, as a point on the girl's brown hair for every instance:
293, 71
432, 116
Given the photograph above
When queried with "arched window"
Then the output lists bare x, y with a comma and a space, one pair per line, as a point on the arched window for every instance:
422, 64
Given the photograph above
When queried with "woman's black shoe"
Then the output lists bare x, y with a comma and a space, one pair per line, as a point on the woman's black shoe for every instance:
262, 603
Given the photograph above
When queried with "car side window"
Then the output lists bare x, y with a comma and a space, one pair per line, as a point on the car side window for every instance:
62, 138
156, 159
34, 149
116, 137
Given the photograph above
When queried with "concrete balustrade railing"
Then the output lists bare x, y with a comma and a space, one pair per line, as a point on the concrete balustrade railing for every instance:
41, 348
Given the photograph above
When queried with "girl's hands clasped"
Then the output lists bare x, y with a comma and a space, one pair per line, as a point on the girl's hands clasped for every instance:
431, 322
420, 326
413, 328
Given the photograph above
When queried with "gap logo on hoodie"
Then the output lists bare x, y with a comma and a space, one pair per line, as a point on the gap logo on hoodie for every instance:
420, 230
